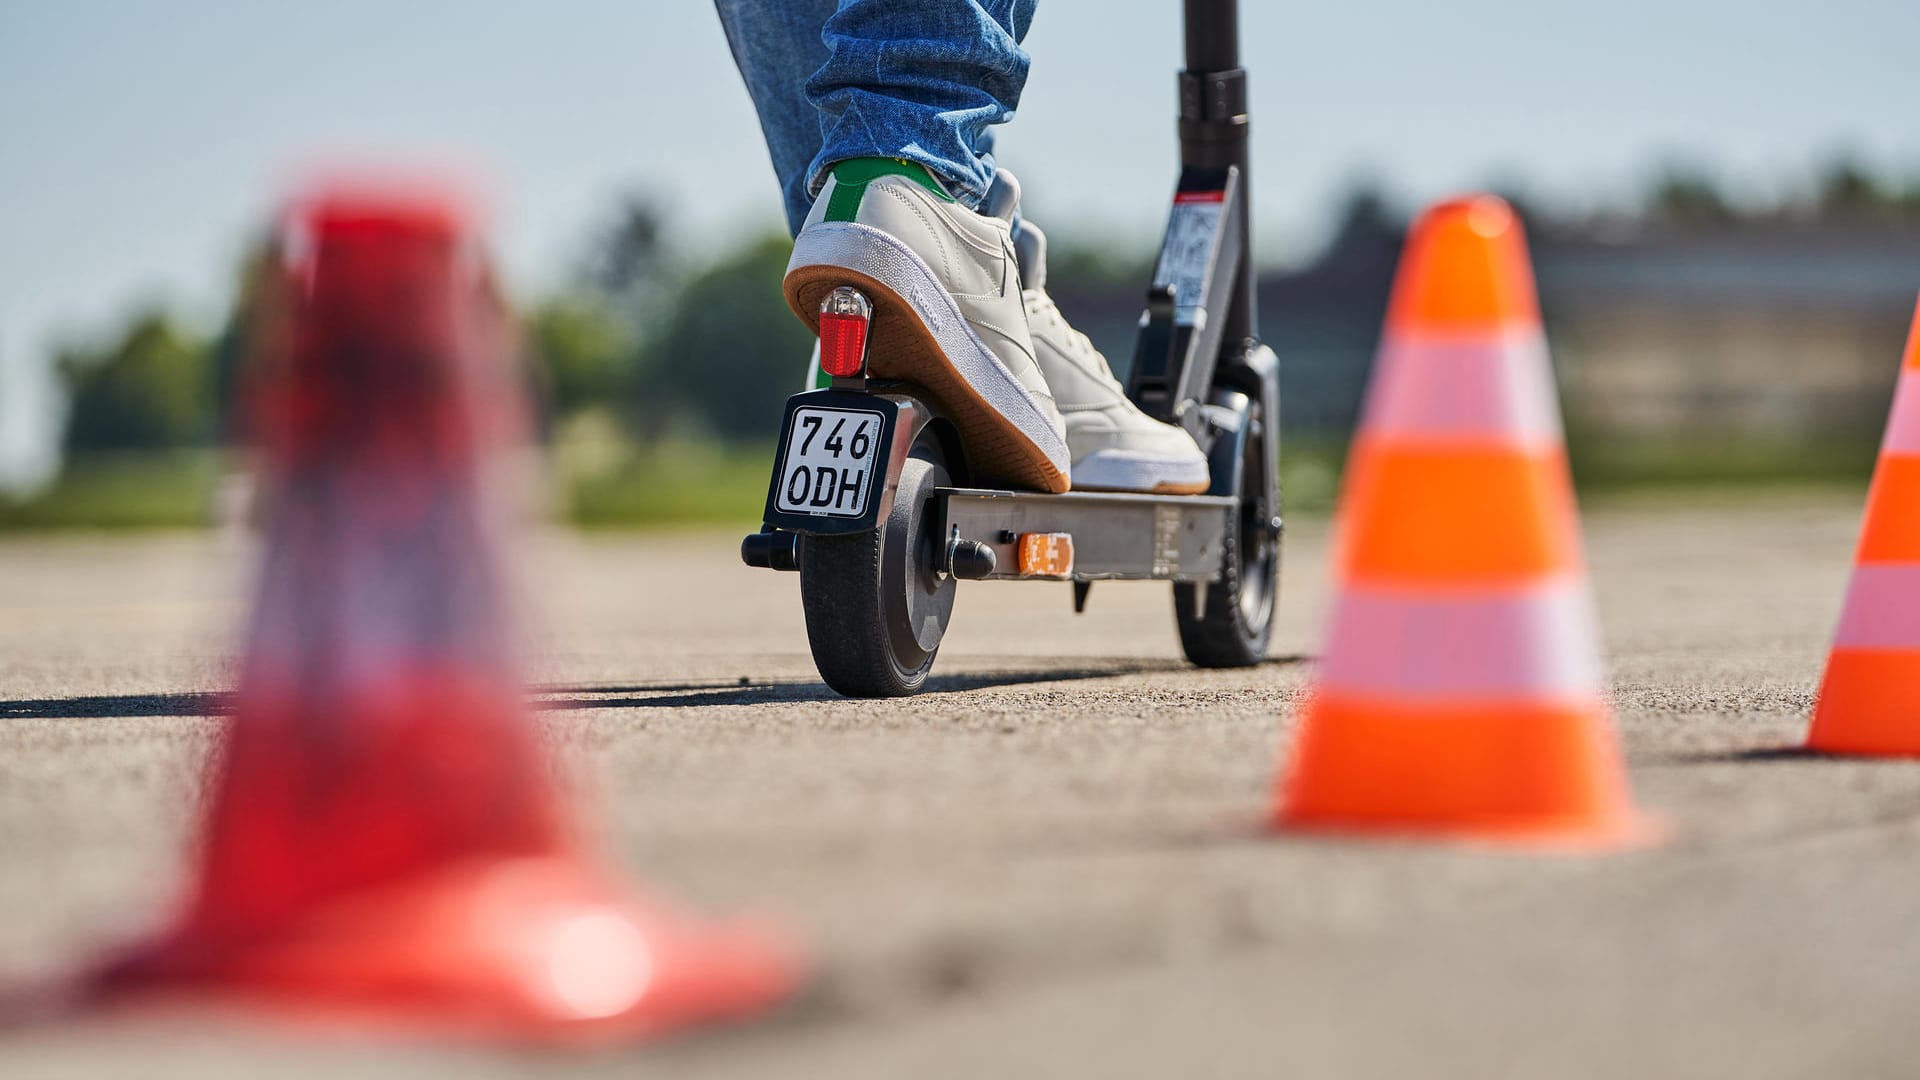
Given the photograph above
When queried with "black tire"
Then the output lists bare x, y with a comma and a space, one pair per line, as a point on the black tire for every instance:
876, 610
1231, 624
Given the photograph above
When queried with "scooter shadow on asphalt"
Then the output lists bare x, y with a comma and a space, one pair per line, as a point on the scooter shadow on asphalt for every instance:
684, 694
745, 691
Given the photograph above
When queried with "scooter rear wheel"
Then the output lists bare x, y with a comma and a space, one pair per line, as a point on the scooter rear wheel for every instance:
875, 603
1228, 622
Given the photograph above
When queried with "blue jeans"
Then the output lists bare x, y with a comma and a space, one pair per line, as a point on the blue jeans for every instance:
921, 80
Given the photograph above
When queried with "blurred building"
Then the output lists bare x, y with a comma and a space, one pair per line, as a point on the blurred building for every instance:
1781, 335
1787, 333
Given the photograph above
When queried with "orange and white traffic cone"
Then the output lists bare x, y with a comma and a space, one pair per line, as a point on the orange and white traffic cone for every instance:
1869, 701
383, 839
1460, 692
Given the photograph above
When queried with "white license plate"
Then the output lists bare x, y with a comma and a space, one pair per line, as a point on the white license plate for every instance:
828, 467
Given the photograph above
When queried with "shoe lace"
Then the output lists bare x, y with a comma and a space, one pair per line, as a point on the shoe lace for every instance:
1080, 345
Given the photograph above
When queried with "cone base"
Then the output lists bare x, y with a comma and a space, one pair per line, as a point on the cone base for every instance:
1869, 704
533, 950
1501, 773
1854, 745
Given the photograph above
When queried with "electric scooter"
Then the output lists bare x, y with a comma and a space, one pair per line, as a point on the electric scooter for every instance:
871, 501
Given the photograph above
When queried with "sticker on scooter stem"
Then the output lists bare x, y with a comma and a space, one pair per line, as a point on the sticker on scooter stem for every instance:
1187, 254
831, 454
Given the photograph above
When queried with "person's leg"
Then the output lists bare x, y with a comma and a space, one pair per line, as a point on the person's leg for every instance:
839, 79
858, 97
777, 47
923, 82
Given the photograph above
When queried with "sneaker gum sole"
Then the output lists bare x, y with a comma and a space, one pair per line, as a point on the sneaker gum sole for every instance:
902, 347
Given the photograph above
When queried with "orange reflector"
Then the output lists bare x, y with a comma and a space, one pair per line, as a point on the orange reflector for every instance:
1045, 555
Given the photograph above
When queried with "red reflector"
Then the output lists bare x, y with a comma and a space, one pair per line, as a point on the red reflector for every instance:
843, 344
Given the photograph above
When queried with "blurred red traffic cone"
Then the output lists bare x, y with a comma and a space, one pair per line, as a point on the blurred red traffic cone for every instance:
1461, 690
383, 838
1869, 700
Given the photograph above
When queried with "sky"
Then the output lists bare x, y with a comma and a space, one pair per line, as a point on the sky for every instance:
141, 142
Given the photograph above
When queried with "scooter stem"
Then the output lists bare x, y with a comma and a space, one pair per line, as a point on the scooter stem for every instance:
1213, 131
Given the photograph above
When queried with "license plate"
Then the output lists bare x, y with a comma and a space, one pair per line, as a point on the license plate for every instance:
828, 466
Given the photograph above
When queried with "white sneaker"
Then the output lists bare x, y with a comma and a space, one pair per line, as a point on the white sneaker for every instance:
948, 314
1115, 446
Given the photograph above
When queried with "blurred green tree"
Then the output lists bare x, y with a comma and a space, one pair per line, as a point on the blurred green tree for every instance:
585, 349
587, 340
1848, 191
150, 388
728, 352
1687, 196
231, 347
629, 265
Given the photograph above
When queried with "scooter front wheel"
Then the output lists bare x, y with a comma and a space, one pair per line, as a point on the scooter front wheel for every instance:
1228, 622
876, 603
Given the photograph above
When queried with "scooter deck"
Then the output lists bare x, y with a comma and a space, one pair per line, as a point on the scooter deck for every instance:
1115, 536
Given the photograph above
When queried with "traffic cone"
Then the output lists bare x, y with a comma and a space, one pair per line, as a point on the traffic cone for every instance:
1869, 701
1460, 692
383, 838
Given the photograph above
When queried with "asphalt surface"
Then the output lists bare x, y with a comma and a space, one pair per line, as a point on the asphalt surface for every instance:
1051, 863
